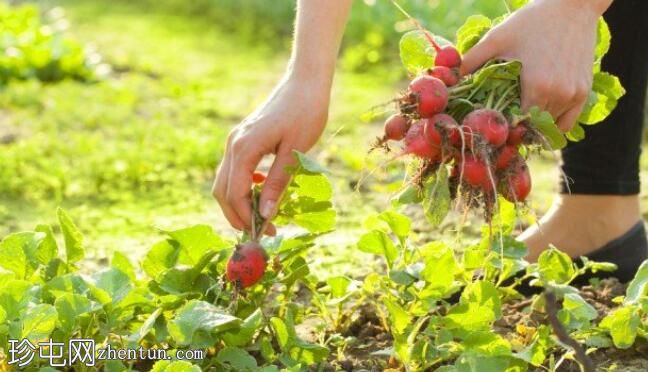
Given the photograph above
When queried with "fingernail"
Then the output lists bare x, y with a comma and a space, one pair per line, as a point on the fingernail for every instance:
268, 209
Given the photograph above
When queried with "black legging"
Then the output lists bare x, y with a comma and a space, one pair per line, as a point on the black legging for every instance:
606, 162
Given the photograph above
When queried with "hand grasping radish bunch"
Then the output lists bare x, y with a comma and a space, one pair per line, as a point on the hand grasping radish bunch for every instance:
248, 262
473, 126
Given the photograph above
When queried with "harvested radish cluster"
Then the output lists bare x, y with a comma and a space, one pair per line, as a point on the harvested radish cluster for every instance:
471, 125
468, 133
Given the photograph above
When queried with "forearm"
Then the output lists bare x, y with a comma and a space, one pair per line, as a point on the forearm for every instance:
598, 7
318, 33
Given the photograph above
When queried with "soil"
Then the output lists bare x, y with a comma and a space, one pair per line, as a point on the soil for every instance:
365, 354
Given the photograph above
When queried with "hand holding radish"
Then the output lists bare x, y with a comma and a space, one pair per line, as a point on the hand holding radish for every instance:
293, 118
555, 41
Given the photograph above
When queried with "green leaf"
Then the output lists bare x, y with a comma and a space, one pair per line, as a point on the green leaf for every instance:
237, 359
306, 202
308, 353
338, 285
603, 38
506, 245
162, 256
606, 92
416, 53
401, 277
148, 325
578, 307
73, 239
69, 307
48, 249
484, 294
114, 283
38, 322
316, 222
545, 124
281, 331
555, 266
576, 133
638, 287
314, 186
400, 319
622, 323
516, 4
379, 243
536, 352
12, 255
245, 334
475, 27
176, 366
196, 240
486, 343
436, 200
475, 363
123, 264
576, 312
508, 71
15, 296
308, 164
411, 194
470, 317
68, 283
399, 224
440, 268
197, 317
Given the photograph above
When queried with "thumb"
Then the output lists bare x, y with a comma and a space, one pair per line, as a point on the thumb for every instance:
478, 55
275, 184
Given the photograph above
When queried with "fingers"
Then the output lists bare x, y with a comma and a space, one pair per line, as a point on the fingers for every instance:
569, 118
219, 191
275, 184
238, 197
487, 49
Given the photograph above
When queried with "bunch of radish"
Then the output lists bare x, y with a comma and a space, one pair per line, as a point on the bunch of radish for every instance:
472, 125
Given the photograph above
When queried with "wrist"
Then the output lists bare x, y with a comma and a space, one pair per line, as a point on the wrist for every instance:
317, 77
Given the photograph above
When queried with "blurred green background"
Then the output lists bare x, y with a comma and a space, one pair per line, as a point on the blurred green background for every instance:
118, 110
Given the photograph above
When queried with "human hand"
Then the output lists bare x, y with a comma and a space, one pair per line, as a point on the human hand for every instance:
293, 118
555, 41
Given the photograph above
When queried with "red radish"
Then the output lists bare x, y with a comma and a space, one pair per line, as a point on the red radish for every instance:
431, 95
487, 185
517, 185
431, 131
447, 75
517, 134
448, 56
487, 124
247, 264
258, 177
417, 144
505, 157
446, 127
396, 127
475, 172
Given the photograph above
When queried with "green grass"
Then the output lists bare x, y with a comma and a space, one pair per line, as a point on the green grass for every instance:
138, 150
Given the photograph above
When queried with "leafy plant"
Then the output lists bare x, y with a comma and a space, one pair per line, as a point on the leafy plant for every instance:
38, 49
183, 302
